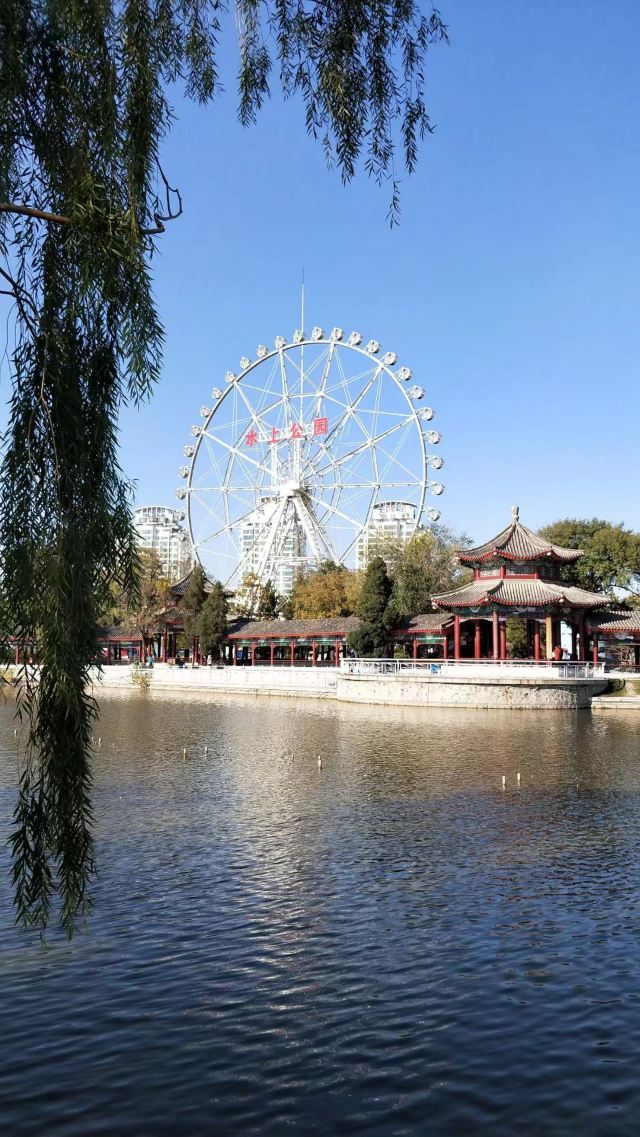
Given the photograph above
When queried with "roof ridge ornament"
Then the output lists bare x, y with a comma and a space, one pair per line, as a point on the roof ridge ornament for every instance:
515, 512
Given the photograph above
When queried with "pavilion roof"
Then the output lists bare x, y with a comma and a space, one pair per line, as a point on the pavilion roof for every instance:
263, 629
620, 623
427, 622
517, 543
519, 592
178, 589
118, 633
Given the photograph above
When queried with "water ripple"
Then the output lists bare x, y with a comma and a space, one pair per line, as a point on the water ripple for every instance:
390, 946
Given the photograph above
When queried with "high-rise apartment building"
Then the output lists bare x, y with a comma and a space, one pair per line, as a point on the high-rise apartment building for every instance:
160, 528
390, 522
287, 555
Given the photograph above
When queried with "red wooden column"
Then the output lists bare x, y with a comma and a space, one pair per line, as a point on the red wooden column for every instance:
415, 647
292, 650
536, 640
496, 634
477, 640
337, 652
503, 641
595, 648
456, 636
17, 654
445, 647
163, 648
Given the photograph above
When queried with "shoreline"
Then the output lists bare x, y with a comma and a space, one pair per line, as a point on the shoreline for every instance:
505, 692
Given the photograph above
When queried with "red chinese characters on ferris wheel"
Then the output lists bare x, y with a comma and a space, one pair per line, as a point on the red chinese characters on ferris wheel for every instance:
319, 427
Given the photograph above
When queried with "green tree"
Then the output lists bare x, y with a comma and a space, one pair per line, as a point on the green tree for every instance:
212, 621
611, 554
424, 566
268, 602
193, 600
152, 592
84, 108
371, 638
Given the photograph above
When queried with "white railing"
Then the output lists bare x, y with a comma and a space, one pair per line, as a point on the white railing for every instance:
526, 668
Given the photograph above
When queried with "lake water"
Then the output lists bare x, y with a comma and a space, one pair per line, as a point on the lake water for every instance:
390, 945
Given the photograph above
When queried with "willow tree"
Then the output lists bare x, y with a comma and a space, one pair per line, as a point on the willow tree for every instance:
84, 108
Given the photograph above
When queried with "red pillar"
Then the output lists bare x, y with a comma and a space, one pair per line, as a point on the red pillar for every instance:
445, 647
163, 648
337, 652
595, 649
292, 650
17, 654
503, 641
415, 647
477, 640
536, 640
496, 635
456, 636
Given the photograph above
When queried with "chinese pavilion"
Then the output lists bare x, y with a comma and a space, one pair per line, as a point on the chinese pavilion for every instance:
520, 574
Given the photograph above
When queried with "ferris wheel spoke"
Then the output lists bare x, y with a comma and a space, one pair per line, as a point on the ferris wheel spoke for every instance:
227, 528
393, 459
238, 453
252, 414
351, 406
336, 511
373, 440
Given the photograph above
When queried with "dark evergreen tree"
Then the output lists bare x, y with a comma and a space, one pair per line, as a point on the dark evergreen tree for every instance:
212, 621
193, 599
371, 638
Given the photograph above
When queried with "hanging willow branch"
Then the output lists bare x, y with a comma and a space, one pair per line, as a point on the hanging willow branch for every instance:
83, 114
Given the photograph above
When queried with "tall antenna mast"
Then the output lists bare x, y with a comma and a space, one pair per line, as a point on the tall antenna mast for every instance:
302, 349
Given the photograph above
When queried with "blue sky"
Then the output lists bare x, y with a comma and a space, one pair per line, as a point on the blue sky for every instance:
510, 287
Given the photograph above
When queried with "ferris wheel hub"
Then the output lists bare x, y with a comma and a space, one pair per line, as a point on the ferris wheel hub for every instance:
290, 489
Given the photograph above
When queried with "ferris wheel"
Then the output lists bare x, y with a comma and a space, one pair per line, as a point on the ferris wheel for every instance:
306, 453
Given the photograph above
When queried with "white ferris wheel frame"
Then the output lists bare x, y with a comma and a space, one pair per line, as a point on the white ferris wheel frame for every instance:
318, 540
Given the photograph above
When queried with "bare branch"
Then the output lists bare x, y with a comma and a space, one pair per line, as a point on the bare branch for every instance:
31, 211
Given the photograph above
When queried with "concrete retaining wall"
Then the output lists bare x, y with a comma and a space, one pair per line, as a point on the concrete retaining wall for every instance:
317, 682
499, 693
509, 693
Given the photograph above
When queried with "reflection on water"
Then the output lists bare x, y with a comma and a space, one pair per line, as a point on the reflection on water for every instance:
391, 945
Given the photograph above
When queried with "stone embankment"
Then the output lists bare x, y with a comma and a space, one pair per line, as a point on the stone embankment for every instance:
508, 692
